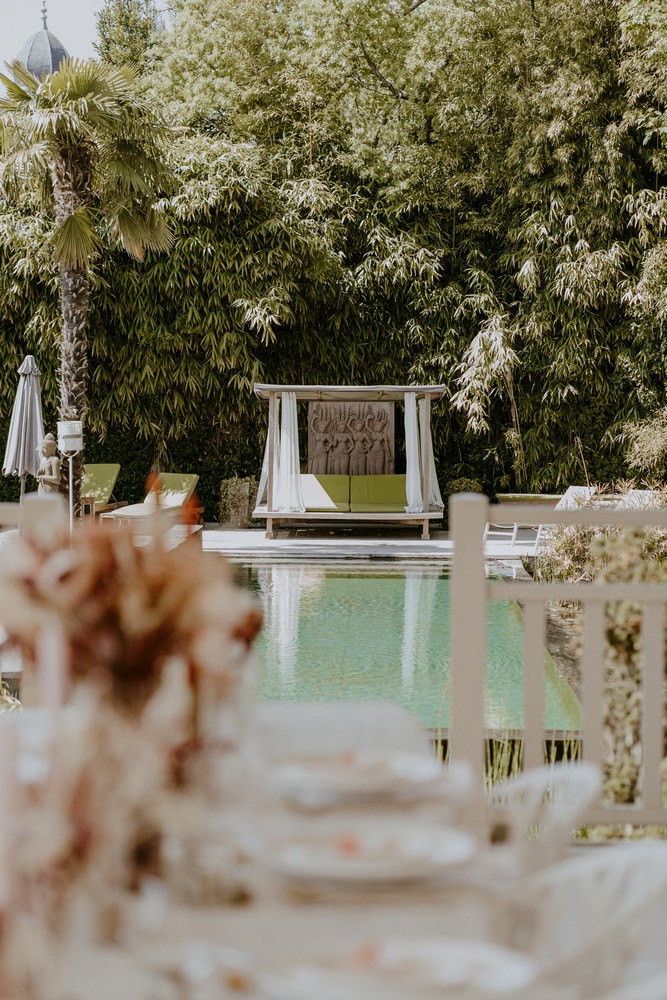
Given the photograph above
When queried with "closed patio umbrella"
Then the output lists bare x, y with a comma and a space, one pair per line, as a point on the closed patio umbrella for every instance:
26, 429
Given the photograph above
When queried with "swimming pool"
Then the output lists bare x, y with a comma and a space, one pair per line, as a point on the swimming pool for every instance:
366, 632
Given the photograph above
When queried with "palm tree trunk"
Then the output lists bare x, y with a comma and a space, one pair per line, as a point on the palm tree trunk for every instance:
71, 178
75, 291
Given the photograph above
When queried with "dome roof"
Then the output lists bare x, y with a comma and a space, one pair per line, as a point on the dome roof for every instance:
42, 53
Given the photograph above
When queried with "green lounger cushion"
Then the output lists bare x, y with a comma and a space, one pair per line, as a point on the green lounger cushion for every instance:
323, 493
176, 488
377, 494
98, 482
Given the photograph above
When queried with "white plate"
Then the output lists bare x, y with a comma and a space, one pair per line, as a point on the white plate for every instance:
362, 776
386, 852
396, 969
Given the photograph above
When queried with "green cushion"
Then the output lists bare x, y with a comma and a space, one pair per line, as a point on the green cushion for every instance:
98, 482
176, 488
377, 494
338, 488
377, 508
323, 493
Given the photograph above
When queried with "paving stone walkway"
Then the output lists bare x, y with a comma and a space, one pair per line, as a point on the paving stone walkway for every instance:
325, 544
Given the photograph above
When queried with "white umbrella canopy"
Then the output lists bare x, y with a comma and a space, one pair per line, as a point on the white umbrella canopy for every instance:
26, 428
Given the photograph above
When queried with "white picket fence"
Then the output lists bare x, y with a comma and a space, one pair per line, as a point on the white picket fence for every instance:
470, 592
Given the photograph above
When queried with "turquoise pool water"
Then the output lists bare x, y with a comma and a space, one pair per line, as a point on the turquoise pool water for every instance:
368, 632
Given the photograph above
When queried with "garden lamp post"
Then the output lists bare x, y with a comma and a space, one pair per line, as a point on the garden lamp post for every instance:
70, 443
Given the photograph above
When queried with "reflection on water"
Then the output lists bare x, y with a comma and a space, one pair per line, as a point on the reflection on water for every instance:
360, 633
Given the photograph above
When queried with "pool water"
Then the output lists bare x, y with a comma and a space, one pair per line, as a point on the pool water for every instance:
365, 633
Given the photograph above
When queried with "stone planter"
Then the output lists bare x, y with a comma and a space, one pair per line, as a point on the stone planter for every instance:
237, 501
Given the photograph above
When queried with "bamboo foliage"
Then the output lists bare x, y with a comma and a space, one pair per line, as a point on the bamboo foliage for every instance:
453, 191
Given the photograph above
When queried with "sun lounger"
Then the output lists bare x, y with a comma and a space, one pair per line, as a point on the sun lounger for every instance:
575, 496
500, 532
98, 482
168, 496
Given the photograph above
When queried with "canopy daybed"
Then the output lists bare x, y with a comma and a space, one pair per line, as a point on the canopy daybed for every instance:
285, 494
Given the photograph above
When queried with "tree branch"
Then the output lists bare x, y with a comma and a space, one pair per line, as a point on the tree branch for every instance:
387, 84
356, 75
415, 5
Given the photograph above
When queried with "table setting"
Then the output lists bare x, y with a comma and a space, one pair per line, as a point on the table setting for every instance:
164, 837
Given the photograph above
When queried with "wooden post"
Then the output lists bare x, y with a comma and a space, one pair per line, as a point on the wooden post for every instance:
468, 514
426, 451
270, 485
426, 464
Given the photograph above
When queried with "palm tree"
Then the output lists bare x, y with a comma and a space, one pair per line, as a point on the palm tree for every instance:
90, 152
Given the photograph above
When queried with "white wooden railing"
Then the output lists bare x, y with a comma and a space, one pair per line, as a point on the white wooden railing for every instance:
470, 592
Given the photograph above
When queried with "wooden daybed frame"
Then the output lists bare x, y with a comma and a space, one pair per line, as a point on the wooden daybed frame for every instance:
349, 394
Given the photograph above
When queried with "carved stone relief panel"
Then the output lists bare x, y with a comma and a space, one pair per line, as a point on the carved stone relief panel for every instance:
350, 438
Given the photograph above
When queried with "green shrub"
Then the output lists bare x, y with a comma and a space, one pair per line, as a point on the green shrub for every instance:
460, 485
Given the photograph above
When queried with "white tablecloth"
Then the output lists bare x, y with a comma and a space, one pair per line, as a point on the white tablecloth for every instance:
164, 942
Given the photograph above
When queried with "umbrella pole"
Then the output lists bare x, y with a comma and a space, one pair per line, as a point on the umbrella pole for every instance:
23, 478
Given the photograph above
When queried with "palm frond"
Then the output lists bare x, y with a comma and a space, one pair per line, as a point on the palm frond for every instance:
65, 124
25, 165
160, 236
87, 115
23, 84
16, 96
137, 232
75, 240
136, 174
99, 87
122, 174
24, 77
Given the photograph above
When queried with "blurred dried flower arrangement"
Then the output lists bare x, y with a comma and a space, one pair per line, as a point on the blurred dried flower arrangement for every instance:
138, 653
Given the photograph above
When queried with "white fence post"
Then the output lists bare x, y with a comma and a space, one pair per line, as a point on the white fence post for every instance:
653, 704
468, 514
534, 646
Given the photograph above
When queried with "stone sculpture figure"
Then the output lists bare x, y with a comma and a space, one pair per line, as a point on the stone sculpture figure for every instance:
339, 456
379, 458
362, 444
48, 473
322, 443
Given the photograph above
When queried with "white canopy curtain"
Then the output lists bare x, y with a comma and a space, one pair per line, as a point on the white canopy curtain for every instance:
287, 494
434, 495
416, 445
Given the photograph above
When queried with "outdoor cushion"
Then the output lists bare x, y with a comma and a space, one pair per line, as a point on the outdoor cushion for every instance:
98, 482
323, 493
377, 494
175, 489
575, 496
